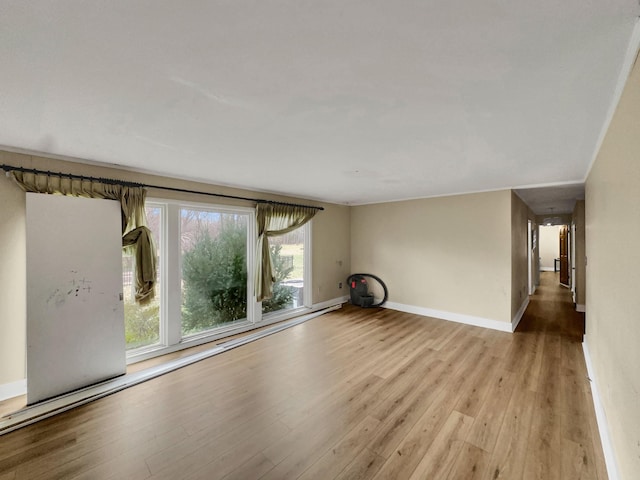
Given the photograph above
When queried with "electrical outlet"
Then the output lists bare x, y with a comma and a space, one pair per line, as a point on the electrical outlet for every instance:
339, 284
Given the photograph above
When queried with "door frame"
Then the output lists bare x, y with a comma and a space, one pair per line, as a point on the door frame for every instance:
567, 263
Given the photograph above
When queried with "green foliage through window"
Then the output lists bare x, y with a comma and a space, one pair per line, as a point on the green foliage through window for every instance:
214, 274
282, 294
142, 324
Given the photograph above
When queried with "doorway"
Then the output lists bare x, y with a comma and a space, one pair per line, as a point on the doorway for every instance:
532, 259
556, 252
564, 255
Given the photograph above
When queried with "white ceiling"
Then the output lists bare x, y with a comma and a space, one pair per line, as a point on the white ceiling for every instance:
347, 101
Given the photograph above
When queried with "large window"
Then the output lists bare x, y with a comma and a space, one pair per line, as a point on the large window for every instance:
214, 268
206, 256
142, 322
287, 253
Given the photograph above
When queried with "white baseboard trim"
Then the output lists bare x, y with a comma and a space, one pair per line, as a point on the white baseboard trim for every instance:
13, 389
451, 316
603, 426
547, 269
518, 316
329, 303
580, 307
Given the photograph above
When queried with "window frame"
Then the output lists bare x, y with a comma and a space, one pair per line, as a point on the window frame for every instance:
251, 241
171, 339
162, 292
306, 296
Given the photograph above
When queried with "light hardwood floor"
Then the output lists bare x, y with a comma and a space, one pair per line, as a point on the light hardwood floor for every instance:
352, 394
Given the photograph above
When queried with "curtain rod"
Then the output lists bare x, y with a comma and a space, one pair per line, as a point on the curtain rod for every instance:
111, 181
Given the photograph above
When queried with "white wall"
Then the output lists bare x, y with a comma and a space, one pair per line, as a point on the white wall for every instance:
549, 246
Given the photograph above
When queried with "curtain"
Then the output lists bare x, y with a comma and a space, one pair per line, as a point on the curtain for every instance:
135, 234
271, 220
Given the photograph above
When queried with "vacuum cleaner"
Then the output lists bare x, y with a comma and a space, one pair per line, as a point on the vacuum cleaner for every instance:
359, 290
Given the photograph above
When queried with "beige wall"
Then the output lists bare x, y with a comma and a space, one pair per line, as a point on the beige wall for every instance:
613, 276
13, 257
520, 215
579, 254
331, 252
451, 254
330, 245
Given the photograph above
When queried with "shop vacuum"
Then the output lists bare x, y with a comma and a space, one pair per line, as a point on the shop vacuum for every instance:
359, 290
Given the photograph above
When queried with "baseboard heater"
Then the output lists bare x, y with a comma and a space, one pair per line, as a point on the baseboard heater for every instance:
49, 408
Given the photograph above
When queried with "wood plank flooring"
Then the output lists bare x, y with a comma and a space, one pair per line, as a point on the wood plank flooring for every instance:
354, 394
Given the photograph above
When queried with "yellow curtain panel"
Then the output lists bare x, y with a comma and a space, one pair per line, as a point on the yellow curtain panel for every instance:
271, 220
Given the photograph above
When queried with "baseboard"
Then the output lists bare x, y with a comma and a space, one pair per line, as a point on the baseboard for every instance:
580, 307
547, 269
518, 316
603, 426
13, 389
329, 303
451, 316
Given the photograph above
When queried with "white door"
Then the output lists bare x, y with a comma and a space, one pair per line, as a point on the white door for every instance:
75, 317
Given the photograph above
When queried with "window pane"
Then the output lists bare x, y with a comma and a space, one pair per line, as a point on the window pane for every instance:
142, 322
214, 269
287, 254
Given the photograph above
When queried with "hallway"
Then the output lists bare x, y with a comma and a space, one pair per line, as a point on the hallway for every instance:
552, 310
564, 431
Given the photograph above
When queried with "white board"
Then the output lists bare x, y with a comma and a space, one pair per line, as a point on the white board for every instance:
75, 316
